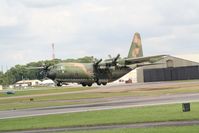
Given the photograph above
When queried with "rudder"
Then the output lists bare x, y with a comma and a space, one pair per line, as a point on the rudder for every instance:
136, 47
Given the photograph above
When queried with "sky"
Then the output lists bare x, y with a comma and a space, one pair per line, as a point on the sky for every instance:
96, 28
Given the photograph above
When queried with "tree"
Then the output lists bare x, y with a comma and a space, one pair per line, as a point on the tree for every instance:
20, 72
1, 78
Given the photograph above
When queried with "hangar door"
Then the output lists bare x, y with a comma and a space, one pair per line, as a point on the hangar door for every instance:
169, 74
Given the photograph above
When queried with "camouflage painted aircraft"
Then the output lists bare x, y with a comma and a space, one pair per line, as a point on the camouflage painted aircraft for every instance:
100, 72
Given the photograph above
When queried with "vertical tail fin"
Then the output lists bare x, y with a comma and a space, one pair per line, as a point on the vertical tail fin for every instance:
136, 47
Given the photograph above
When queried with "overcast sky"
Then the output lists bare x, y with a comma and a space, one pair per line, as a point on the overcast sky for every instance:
96, 28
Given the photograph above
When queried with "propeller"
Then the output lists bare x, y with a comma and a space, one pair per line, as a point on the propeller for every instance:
115, 59
108, 62
97, 63
44, 69
112, 61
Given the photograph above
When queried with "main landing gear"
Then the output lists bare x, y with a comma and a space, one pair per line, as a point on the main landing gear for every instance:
90, 84
101, 83
87, 84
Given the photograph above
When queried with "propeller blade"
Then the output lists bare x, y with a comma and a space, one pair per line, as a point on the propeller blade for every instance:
97, 63
117, 57
43, 69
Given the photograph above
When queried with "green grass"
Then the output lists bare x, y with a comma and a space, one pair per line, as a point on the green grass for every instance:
116, 116
58, 100
28, 104
183, 129
43, 90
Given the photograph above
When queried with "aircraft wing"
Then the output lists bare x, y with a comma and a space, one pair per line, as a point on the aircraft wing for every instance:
150, 59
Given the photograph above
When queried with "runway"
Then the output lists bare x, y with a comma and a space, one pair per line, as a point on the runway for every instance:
105, 104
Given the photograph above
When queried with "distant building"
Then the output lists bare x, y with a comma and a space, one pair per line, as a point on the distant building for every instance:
130, 77
167, 69
1, 87
26, 83
11, 86
47, 82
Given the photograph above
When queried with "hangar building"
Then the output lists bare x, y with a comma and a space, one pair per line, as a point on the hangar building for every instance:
167, 69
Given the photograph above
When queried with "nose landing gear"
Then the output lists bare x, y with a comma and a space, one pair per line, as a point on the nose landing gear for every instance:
59, 84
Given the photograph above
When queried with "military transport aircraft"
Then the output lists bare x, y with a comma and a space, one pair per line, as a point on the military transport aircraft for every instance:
100, 72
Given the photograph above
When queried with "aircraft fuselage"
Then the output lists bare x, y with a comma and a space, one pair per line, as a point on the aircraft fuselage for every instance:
85, 73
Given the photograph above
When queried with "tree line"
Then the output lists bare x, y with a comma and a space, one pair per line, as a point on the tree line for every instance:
21, 72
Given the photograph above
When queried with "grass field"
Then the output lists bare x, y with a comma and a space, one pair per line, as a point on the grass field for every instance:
183, 129
43, 90
106, 117
58, 100
61, 99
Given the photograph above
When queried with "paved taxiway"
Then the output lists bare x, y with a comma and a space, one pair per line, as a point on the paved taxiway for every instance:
122, 102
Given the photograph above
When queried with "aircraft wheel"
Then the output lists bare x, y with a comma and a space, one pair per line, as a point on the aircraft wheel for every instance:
104, 83
98, 83
83, 84
59, 84
90, 84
